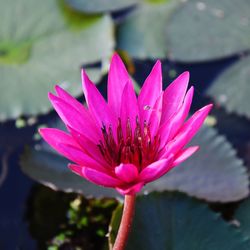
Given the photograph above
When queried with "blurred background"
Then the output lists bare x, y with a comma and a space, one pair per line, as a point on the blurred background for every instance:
43, 43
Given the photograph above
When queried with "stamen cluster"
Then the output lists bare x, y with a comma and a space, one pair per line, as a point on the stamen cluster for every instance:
136, 147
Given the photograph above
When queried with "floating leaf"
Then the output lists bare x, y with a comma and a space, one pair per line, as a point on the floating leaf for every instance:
214, 173
50, 169
208, 30
243, 216
232, 88
38, 49
99, 6
141, 33
172, 221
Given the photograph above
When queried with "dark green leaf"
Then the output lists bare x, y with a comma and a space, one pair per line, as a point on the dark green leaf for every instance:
99, 6
172, 221
208, 30
39, 49
232, 88
243, 216
50, 169
142, 33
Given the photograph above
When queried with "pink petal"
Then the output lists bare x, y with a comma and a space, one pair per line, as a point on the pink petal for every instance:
66, 145
131, 190
81, 122
54, 137
175, 145
155, 170
70, 99
88, 146
150, 91
97, 104
184, 154
117, 79
77, 169
95, 176
155, 116
164, 132
129, 107
195, 122
178, 119
169, 129
126, 172
173, 96
188, 130
80, 157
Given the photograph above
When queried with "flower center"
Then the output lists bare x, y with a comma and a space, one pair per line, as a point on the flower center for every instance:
136, 147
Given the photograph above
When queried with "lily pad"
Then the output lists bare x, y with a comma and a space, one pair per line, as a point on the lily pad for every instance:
50, 169
39, 48
214, 173
243, 216
142, 32
172, 221
208, 30
99, 6
232, 89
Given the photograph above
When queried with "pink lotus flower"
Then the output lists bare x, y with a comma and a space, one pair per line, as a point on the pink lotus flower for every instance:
128, 141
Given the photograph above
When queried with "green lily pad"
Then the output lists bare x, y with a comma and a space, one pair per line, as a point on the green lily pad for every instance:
243, 216
40, 48
99, 6
214, 173
50, 169
142, 32
232, 89
208, 30
172, 221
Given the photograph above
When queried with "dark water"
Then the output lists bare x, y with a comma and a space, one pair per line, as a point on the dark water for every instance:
16, 188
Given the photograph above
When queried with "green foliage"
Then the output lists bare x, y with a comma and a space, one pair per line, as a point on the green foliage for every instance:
243, 217
62, 220
208, 30
142, 32
172, 221
99, 6
41, 47
232, 89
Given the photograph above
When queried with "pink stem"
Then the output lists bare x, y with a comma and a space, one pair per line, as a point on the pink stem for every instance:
126, 222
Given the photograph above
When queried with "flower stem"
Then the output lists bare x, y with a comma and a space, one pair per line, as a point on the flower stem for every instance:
126, 222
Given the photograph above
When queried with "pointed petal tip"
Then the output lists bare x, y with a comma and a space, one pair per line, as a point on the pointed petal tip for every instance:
186, 74
51, 96
191, 88
207, 108
158, 63
157, 67
77, 169
117, 62
185, 154
83, 74
116, 56
74, 167
193, 149
85, 77
58, 88
190, 92
41, 131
